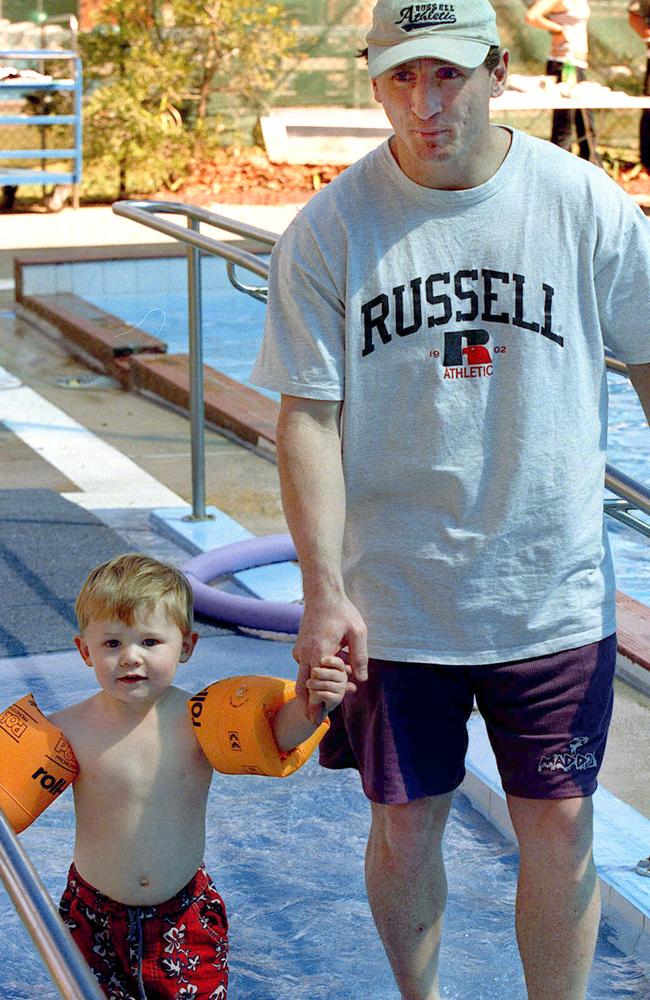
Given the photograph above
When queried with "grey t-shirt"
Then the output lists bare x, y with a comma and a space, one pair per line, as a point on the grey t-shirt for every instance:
464, 331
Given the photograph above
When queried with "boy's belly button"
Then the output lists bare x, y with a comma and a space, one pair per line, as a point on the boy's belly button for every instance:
144, 880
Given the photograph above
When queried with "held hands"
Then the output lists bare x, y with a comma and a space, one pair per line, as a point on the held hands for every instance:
327, 686
330, 625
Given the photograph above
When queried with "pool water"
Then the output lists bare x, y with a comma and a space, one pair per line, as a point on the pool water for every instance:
232, 321
232, 330
287, 856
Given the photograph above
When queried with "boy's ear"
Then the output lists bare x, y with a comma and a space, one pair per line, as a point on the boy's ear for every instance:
83, 650
189, 642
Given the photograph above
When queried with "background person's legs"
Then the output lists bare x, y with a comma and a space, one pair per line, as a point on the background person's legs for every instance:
644, 127
585, 127
562, 129
558, 897
580, 124
562, 124
407, 889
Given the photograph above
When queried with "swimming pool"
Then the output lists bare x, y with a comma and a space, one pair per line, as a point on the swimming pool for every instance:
152, 295
288, 859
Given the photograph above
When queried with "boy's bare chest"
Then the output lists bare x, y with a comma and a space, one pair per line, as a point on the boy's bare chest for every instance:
147, 759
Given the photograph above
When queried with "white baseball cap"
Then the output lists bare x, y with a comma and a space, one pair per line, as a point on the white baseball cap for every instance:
461, 31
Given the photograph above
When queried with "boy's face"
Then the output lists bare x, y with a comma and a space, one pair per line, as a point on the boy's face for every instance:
135, 663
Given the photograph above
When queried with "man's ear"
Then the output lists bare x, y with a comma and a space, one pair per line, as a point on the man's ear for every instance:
83, 650
375, 91
500, 75
189, 642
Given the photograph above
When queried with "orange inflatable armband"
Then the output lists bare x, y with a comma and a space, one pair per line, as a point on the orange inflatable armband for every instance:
36, 762
232, 721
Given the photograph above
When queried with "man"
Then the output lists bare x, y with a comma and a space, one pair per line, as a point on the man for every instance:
435, 325
639, 20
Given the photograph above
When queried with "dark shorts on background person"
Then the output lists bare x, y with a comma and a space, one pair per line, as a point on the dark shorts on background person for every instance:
178, 948
405, 729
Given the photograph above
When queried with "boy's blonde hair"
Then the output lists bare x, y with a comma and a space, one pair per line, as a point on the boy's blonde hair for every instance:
121, 587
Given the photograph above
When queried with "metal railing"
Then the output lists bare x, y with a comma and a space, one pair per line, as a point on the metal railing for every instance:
60, 954
633, 497
144, 212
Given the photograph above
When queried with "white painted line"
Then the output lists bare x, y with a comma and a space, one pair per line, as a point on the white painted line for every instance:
125, 498
8, 381
106, 478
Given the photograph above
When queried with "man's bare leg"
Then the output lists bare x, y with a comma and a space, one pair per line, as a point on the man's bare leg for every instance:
407, 889
558, 898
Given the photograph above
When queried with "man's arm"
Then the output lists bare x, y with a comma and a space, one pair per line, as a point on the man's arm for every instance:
640, 379
536, 16
313, 498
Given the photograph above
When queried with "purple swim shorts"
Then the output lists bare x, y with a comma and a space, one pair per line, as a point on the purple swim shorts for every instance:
405, 729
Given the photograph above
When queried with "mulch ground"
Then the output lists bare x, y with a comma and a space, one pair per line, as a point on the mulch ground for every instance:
252, 179
249, 178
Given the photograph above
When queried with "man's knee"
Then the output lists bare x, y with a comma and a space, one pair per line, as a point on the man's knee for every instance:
412, 829
560, 826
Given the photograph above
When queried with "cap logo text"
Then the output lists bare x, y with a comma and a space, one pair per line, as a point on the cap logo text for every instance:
426, 15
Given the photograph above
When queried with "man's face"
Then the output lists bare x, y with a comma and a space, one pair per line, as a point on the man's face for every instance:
440, 114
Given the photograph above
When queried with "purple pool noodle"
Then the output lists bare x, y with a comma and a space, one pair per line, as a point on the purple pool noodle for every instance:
272, 616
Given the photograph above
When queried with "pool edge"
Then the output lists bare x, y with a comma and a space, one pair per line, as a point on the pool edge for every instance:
621, 838
136, 359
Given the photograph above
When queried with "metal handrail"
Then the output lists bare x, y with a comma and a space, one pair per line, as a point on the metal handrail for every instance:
59, 952
632, 494
143, 212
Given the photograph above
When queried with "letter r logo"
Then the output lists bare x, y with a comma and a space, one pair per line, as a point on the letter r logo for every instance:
454, 340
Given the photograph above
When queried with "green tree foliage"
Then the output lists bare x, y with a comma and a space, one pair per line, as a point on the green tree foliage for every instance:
243, 46
152, 71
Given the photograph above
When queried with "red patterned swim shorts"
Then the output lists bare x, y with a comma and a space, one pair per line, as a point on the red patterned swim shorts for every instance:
176, 950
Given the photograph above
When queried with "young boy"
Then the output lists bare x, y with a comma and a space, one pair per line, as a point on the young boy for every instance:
139, 902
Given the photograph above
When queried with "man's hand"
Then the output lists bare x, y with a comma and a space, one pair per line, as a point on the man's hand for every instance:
329, 628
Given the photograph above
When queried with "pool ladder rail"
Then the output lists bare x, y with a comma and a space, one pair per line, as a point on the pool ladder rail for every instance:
64, 961
633, 497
